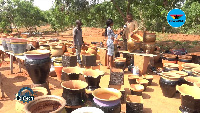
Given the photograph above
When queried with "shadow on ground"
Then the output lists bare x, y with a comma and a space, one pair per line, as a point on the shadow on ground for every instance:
147, 110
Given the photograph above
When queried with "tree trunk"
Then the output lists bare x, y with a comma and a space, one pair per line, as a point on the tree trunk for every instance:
120, 11
128, 7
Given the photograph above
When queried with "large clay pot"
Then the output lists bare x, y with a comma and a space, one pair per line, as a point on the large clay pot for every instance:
149, 37
132, 79
182, 74
143, 82
136, 89
133, 45
57, 51
190, 98
150, 47
18, 46
38, 91
71, 73
93, 78
46, 104
33, 42
168, 83
116, 76
74, 92
184, 59
149, 78
92, 51
169, 58
120, 63
134, 104
69, 60
170, 67
87, 110
122, 90
107, 99
38, 63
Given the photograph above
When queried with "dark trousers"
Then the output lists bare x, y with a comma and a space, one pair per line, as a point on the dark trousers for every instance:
125, 45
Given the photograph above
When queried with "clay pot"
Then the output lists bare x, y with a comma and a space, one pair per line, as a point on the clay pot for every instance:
44, 47
58, 61
190, 65
132, 79
121, 89
197, 84
149, 78
169, 58
149, 47
58, 70
57, 51
134, 104
133, 45
71, 73
191, 80
120, 63
107, 99
38, 63
52, 103
168, 83
87, 110
39, 91
33, 42
69, 60
92, 51
93, 78
116, 76
18, 46
143, 82
149, 37
74, 92
157, 58
170, 67
136, 89
190, 98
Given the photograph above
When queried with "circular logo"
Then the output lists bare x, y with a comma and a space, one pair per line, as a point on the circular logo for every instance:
176, 18
27, 96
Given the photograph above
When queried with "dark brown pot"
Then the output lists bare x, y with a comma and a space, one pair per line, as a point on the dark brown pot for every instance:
134, 104
71, 73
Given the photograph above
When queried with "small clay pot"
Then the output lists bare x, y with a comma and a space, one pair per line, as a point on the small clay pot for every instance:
149, 78
93, 78
136, 89
132, 79
54, 104
134, 104
58, 61
57, 51
72, 73
143, 82
58, 70
74, 92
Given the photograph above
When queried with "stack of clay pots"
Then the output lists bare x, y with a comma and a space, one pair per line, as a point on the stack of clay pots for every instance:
183, 59
169, 58
196, 71
149, 42
187, 67
170, 66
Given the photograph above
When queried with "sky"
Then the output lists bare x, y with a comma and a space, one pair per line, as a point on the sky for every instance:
47, 4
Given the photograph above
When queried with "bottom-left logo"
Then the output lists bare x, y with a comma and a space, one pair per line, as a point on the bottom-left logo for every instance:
25, 95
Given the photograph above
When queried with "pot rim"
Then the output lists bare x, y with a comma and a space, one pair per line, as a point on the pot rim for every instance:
133, 87
194, 79
135, 96
147, 76
80, 70
96, 71
133, 77
110, 90
85, 83
194, 91
196, 70
37, 52
142, 81
59, 99
182, 73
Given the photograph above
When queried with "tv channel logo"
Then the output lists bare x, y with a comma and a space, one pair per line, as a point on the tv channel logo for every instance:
176, 18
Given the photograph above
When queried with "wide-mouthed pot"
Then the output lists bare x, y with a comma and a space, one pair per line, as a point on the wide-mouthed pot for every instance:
134, 104
182, 74
136, 89
71, 73
170, 67
74, 92
190, 98
191, 80
93, 78
149, 37
120, 63
143, 82
149, 78
57, 51
132, 79
18, 46
69, 60
122, 90
87, 110
38, 63
46, 104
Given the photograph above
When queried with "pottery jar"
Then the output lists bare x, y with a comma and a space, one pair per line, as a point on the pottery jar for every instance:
57, 51
47, 103
168, 82
33, 42
71, 73
93, 78
169, 58
182, 74
5, 47
107, 99
39, 91
18, 46
58, 67
133, 45
170, 67
44, 46
122, 90
38, 63
116, 76
132, 79
190, 98
89, 59
87, 110
149, 37
184, 59
134, 104
136, 89
120, 63
149, 78
69, 60
143, 82
74, 92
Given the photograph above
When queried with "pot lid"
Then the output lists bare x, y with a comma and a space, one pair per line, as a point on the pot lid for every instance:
192, 79
37, 52
107, 94
87, 110
185, 89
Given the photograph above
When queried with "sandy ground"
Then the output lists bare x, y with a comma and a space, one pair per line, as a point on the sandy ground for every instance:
154, 101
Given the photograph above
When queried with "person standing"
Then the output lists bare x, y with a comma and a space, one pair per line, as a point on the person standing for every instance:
131, 26
78, 39
110, 42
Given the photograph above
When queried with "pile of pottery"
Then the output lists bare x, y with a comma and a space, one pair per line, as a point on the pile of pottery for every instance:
190, 99
196, 71
182, 59
149, 42
169, 58
190, 80
169, 80
170, 66
188, 67
195, 57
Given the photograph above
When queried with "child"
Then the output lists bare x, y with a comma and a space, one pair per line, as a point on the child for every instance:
111, 35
